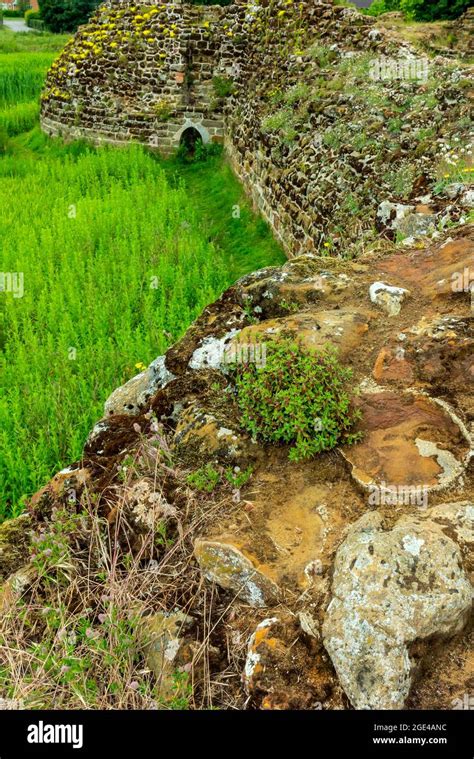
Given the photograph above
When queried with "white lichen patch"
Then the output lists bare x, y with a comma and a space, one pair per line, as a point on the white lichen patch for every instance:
451, 468
211, 352
388, 297
412, 544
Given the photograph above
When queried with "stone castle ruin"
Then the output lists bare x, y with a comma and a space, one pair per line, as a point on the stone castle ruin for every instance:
161, 74
142, 74
285, 85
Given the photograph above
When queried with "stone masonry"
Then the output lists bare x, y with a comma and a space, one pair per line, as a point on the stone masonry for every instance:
286, 86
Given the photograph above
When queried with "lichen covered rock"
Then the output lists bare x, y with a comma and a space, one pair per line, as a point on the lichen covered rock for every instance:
227, 566
391, 588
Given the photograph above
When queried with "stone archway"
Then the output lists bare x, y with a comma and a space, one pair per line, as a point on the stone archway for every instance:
190, 139
193, 127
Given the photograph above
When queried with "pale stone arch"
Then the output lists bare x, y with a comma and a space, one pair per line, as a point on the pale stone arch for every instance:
190, 124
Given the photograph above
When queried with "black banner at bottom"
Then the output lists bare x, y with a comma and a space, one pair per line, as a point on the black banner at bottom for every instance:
123, 734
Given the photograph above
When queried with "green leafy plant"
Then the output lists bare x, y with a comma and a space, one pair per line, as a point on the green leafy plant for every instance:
300, 397
276, 121
223, 86
162, 110
421, 10
237, 478
204, 479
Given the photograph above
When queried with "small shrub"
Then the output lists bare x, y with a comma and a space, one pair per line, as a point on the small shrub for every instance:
400, 181
236, 478
276, 121
31, 14
201, 152
299, 397
204, 479
297, 93
223, 86
163, 110
322, 54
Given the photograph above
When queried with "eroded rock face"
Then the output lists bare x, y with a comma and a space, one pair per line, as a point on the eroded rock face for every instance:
391, 588
211, 437
225, 565
437, 271
14, 542
431, 445
344, 328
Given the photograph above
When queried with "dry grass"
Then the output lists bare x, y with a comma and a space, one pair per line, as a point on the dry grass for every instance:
71, 633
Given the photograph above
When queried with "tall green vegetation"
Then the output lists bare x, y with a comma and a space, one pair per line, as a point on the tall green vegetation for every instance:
106, 257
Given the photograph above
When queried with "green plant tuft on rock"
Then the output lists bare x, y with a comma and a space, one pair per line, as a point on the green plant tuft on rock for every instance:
223, 86
300, 397
204, 479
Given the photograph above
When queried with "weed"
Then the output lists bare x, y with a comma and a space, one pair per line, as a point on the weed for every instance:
299, 397
223, 86
204, 479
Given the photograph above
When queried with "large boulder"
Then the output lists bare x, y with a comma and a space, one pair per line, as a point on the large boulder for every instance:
391, 588
134, 396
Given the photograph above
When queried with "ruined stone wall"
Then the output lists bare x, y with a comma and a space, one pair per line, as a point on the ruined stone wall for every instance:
142, 74
317, 143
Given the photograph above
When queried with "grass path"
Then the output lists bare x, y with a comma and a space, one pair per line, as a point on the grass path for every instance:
227, 217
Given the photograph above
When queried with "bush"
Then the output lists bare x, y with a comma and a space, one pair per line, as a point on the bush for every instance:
33, 20
298, 397
11, 14
432, 10
66, 15
421, 10
31, 15
223, 86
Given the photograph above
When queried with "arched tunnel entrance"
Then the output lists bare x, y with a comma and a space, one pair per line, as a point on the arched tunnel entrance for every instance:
190, 139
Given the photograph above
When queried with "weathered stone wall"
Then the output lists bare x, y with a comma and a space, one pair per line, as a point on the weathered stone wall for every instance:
143, 76
317, 142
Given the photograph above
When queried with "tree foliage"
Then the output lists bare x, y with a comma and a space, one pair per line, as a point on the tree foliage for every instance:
422, 10
66, 15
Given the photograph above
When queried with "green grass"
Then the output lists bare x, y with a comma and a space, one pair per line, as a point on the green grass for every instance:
226, 215
118, 252
31, 42
18, 118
